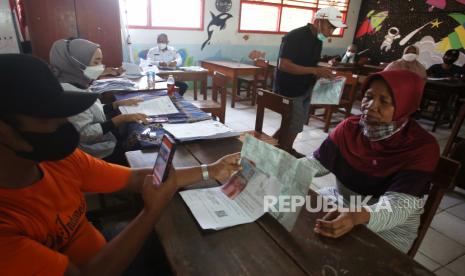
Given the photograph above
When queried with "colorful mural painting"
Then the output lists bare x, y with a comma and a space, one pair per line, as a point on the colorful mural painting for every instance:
385, 28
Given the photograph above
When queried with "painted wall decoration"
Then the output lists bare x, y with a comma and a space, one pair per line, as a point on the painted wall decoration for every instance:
216, 21
223, 5
385, 28
440, 4
372, 23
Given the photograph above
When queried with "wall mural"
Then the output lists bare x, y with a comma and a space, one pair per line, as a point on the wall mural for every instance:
385, 28
218, 21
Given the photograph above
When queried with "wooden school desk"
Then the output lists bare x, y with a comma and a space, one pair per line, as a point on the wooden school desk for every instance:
264, 247
232, 70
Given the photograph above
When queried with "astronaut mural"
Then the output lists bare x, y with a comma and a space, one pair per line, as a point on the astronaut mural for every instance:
385, 28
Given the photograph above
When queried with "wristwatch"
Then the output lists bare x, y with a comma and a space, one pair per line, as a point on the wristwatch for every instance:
205, 174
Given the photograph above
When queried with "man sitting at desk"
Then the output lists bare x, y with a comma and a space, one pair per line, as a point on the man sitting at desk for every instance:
350, 56
447, 69
164, 56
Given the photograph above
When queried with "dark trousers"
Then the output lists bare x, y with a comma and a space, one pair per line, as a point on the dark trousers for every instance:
150, 260
182, 87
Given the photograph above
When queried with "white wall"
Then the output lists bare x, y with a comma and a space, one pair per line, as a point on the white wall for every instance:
4, 4
229, 43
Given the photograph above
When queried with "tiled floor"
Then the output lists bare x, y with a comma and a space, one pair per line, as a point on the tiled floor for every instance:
443, 249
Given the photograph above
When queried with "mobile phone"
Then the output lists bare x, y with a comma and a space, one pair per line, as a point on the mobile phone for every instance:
163, 161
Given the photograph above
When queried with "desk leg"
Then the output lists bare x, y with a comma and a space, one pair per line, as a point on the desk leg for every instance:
234, 89
195, 90
203, 88
254, 89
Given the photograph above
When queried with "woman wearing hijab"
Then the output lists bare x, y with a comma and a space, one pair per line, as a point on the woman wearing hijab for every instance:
77, 63
382, 153
409, 61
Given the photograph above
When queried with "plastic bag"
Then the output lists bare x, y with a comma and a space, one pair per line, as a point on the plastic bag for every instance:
328, 91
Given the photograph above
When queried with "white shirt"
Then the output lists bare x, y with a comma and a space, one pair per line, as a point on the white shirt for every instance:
155, 56
87, 123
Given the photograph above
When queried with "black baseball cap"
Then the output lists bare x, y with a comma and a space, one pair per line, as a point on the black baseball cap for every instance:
29, 87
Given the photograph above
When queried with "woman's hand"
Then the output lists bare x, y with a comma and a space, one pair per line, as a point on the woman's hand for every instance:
127, 102
335, 224
223, 168
129, 118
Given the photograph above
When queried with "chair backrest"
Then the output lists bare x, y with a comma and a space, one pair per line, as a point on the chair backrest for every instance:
443, 180
277, 103
455, 131
143, 54
264, 65
350, 85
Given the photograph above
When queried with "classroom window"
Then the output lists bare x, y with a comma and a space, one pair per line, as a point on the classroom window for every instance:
282, 16
165, 14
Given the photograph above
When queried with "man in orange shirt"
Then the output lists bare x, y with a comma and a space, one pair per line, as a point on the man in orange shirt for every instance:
43, 228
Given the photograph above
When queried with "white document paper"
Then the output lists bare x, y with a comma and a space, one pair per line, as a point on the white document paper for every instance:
158, 106
214, 210
197, 130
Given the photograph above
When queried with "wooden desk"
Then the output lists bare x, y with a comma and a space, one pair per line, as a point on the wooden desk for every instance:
197, 76
232, 70
265, 247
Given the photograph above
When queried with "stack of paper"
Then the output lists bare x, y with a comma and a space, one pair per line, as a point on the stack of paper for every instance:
208, 129
113, 84
193, 69
157, 106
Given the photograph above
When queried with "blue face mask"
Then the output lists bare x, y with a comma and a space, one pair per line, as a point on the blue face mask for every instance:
321, 37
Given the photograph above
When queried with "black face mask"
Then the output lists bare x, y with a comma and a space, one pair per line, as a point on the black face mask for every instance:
52, 146
448, 61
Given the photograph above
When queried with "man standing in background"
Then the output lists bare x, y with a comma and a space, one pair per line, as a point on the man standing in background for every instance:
298, 69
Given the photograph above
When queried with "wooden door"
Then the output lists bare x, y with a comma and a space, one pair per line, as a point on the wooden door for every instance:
48, 21
99, 21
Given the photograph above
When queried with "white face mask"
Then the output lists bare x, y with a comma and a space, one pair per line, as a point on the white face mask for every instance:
349, 54
409, 57
162, 46
93, 72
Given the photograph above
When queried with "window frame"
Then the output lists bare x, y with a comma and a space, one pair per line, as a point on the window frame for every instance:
148, 25
278, 24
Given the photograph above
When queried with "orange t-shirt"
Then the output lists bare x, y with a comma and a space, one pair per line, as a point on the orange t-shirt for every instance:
43, 226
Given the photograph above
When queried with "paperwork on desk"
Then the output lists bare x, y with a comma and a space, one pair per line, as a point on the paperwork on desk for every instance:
276, 173
207, 129
328, 91
112, 84
157, 106
237, 202
193, 69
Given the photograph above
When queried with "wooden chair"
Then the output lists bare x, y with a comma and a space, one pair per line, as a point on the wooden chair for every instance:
245, 83
344, 106
453, 138
443, 180
214, 106
277, 103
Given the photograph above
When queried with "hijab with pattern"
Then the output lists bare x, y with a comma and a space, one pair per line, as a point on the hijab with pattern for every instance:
69, 58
